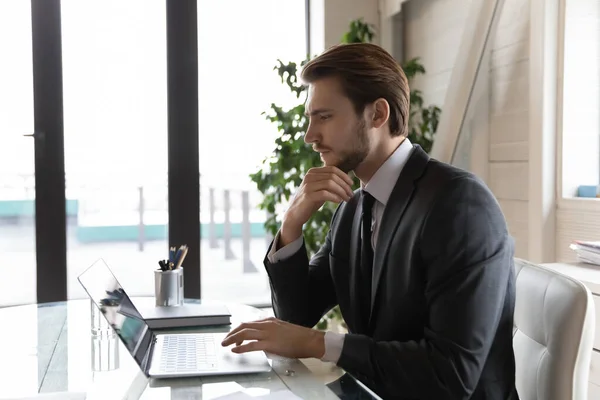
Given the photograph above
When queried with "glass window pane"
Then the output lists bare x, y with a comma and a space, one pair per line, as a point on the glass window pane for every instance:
236, 84
17, 168
115, 105
581, 97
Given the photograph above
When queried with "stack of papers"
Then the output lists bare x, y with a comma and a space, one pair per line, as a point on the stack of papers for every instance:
587, 252
278, 395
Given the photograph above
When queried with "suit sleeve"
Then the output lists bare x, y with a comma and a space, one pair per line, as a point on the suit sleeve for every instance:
285, 252
302, 291
467, 255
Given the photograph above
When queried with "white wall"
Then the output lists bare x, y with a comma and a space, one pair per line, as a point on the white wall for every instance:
509, 119
391, 27
432, 31
330, 19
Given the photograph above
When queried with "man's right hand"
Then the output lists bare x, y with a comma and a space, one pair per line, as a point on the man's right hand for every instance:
320, 184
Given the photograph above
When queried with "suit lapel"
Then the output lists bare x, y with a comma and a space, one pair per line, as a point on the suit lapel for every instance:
399, 199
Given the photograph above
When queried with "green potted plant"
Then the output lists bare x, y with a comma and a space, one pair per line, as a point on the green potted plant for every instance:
282, 172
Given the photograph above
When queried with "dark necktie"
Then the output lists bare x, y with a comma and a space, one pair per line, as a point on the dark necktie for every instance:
366, 251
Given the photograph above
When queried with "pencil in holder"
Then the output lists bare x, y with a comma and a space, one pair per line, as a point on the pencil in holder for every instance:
168, 287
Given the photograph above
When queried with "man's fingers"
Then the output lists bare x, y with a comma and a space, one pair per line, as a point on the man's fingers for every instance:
330, 186
310, 180
265, 319
251, 346
238, 329
330, 169
324, 195
243, 335
235, 330
343, 175
321, 196
258, 324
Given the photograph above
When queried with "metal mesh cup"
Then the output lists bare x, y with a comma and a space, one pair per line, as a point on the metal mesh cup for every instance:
168, 287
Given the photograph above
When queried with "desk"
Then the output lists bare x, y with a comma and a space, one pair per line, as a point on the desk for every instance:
49, 348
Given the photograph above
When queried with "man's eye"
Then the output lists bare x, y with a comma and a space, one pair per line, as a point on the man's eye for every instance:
324, 117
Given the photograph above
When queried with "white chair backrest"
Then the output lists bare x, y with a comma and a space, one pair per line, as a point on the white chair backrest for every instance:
554, 334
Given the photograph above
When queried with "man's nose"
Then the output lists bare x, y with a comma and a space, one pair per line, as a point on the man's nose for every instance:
310, 135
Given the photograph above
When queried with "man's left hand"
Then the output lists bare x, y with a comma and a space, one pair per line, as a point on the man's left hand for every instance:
277, 337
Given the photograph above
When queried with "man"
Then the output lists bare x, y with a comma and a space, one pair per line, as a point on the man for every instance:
419, 259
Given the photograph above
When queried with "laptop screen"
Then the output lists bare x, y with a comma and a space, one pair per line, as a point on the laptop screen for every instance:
108, 295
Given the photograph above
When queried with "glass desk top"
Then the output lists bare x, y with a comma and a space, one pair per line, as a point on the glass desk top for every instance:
49, 348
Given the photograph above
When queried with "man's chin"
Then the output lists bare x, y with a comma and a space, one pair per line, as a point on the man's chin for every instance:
345, 167
329, 160
327, 163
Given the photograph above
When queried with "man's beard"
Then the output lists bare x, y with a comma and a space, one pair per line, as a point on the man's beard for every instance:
352, 158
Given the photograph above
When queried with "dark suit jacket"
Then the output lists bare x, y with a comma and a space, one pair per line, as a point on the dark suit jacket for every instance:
443, 289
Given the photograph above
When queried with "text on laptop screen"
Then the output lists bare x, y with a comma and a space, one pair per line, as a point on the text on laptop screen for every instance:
106, 292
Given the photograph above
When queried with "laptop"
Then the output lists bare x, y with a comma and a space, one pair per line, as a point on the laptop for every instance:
169, 355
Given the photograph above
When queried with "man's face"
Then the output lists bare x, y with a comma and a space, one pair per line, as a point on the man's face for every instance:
335, 130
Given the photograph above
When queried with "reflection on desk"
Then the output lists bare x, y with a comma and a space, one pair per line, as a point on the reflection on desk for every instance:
50, 352
349, 388
235, 391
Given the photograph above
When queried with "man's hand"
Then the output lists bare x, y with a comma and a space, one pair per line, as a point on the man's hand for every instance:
320, 184
277, 337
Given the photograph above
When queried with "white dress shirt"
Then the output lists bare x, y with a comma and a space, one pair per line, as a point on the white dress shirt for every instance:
380, 187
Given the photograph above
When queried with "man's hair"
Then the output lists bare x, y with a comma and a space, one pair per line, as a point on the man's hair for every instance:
366, 72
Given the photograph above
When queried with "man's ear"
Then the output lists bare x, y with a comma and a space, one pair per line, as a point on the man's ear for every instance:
381, 113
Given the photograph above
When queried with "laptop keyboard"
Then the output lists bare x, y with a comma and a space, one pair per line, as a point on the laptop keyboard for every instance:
188, 353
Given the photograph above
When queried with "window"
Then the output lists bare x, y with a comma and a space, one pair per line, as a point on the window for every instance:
581, 99
17, 173
114, 64
115, 118
578, 145
236, 55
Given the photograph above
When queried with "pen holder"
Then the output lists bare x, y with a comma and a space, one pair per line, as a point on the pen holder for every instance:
168, 287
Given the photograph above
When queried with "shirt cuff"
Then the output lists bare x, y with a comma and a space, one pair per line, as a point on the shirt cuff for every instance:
334, 342
284, 252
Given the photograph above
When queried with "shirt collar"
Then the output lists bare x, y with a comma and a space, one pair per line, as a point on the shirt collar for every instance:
383, 181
